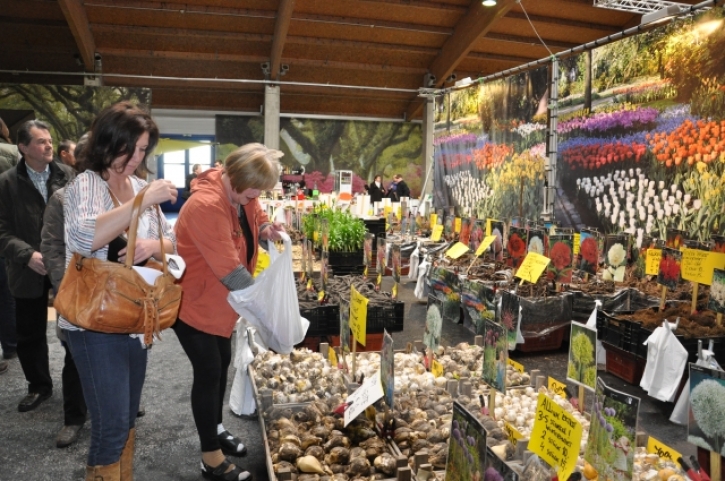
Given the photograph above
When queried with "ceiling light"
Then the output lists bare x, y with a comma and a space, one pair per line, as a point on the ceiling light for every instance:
660, 15
489, 3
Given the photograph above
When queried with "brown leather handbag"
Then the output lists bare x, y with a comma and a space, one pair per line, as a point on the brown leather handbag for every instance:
110, 297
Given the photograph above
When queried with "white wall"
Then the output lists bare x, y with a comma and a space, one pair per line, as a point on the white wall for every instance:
189, 122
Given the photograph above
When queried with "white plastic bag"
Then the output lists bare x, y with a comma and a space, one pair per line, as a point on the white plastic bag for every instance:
271, 305
421, 287
414, 262
241, 398
592, 322
666, 361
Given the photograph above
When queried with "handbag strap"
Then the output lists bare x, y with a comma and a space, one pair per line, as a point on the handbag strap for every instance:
133, 228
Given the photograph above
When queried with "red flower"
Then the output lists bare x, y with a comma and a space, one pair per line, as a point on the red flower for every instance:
516, 246
560, 255
669, 268
589, 251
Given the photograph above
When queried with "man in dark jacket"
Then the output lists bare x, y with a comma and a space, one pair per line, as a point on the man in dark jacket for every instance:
398, 188
24, 192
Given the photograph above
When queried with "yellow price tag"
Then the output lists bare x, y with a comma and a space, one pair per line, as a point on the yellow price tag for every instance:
263, 261
358, 315
485, 244
533, 266
457, 250
577, 241
332, 356
394, 291
399, 212
310, 286
655, 446
436, 368
513, 434
321, 296
699, 266
488, 226
557, 387
433, 220
387, 210
556, 436
435, 236
653, 262
518, 367
457, 225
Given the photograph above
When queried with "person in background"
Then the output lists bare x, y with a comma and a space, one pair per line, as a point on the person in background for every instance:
218, 231
9, 156
66, 153
52, 247
218, 164
24, 192
376, 189
195, 171
398, 188
97, 209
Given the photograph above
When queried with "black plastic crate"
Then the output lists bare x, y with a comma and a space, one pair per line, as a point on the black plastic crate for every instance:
348, 270
621, 333
324, 320
377, 228
389, 317
340, 258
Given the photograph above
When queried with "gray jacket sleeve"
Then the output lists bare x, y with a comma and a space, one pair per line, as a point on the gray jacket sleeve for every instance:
52, 244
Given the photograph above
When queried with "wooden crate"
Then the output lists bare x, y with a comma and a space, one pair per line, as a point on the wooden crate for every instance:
547, 342
625, 365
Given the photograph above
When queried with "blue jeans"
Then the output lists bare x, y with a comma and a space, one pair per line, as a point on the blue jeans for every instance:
8, 335
112, 368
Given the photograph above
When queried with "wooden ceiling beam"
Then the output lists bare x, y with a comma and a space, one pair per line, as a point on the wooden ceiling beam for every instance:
281, 27
77, 19
565, 22
503, 37
499, 57
178, 32
421, 4
356, 45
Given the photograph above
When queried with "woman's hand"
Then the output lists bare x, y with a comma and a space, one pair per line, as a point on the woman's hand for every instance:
271, 232
145, 248
159, 191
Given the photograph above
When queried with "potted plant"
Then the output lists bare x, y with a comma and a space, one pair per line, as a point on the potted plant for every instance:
345, 236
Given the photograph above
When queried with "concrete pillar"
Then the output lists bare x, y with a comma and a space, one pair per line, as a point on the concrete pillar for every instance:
271, 116
428, 119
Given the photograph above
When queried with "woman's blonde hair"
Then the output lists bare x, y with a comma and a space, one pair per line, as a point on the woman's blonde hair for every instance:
253, 166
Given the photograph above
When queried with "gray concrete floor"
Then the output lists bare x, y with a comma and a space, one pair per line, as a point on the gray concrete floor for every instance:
167, 445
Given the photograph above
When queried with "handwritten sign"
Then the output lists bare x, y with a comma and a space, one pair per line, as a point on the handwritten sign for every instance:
517, 367
433, 220
698, 266
533, 266
358, 315
652, 267
556, 436
655, 446
370, 391
513, 434
457, 250
577, 241
435, 236
485, 244
332, 356
557, 387
263, 261
457, 225
436, 368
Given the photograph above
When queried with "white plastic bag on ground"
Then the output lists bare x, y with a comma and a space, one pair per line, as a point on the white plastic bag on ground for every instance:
666, 361
601, 352
421, 287
271, 305
414, 262
241, 398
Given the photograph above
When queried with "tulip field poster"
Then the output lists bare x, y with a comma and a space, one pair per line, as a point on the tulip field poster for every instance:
561, 253
465, 235
588, 252
718, 243
615, 258
611, 444
516, 246
467, 448
670, 273
641, 133
707, 408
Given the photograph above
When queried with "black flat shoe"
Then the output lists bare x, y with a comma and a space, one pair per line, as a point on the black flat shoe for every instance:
219, 473
32, 401
231, 446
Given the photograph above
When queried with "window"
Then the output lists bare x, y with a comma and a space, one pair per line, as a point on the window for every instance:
175, 166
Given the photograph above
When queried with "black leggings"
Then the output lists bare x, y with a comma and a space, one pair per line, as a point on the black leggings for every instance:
210, 356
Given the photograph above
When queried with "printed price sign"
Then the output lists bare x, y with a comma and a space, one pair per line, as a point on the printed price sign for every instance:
457, 250
557, 387
698, 266
653, 262
533, 266
513, 434
556, 436
457, 225
436, 368
485, 244
577, 241
263, 261
655, 446
370, 391
358, 315
435, 236
433, 220
332, 356
518, 367
488, 226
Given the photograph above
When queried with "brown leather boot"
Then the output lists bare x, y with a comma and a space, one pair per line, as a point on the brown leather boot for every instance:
110, 472
127, 456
